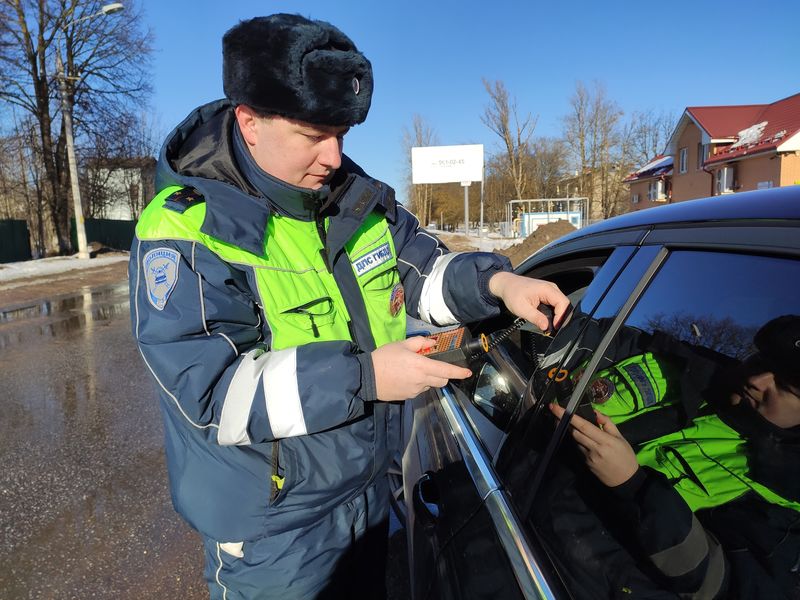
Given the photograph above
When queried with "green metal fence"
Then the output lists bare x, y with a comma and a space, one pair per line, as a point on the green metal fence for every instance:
111, 233
15, 241
15, 244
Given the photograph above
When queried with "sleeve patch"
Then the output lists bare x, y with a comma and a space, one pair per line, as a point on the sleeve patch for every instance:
161, 274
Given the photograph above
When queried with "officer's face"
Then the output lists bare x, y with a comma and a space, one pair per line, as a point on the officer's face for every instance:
298, 153
775, 399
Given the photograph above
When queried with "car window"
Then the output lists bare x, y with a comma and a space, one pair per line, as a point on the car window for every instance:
548, 359
497, 390
695, 379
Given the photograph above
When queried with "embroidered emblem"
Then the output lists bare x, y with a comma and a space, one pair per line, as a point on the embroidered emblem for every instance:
356, 85
397, 299
377, 257
602, 389
642, 383
160, 274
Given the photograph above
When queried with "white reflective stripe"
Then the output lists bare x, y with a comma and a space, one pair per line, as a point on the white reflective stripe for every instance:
216, 575
432, 307
282, 394
232, 548
239, 399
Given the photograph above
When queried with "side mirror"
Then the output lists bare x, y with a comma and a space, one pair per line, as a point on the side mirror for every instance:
493, 396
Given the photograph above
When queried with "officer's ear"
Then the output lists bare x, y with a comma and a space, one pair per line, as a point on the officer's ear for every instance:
247, 119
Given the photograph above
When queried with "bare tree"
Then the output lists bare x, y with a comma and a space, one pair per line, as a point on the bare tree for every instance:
21, 180
498, 188
646, 135
420, 195
593, 136
501, 116
121, 162
106, 62
548, 162
721, 334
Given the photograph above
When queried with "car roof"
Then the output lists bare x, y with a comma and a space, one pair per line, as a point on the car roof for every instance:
772, 204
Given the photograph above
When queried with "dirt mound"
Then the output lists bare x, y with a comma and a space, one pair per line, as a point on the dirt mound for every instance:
456, 242
543, 235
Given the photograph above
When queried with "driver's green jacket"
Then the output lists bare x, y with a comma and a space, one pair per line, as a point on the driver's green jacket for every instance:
256, 304
702, 466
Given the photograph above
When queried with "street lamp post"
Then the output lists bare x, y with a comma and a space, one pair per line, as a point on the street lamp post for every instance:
66, 109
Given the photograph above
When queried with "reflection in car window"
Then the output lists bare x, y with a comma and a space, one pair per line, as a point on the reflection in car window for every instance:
543, 358
493, 395
693, 482
497, 392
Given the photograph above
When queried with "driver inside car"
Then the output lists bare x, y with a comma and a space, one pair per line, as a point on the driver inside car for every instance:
714, 505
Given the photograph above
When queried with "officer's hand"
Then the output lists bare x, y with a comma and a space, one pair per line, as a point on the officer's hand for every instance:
401, 373
522, 296
608, 455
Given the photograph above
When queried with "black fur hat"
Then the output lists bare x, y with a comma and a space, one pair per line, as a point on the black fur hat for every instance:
291, 66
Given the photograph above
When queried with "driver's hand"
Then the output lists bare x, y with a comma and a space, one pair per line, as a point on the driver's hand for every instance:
608, 455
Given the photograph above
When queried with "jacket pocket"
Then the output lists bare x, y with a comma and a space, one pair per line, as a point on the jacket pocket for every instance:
277, 481
382, 281
313, 315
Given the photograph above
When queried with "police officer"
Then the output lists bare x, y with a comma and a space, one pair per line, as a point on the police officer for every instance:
270, 280
729, 481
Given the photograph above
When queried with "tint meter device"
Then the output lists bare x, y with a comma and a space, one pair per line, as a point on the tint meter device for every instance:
456, 346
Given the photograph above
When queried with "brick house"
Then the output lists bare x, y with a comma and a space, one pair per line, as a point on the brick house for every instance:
652, 184
725, 149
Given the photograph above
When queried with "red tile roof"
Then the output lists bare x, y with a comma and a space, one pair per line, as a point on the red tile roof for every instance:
725, 121
756, 127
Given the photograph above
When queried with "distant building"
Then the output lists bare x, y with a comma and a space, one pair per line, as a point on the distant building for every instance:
603, 187
718, 150
652, 184
119, 189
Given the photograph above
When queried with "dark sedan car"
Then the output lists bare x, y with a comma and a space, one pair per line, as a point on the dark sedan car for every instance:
678, 311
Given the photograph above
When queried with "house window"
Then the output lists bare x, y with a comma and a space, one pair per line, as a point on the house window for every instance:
701, 155
655, 190
684, 159
635, 198
724, 180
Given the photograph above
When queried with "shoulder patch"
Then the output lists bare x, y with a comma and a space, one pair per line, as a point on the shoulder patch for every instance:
183, 199
161, 274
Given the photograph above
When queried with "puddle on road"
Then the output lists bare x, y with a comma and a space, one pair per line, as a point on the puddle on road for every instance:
63, 315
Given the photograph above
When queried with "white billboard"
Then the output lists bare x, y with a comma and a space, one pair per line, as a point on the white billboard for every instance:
447, 164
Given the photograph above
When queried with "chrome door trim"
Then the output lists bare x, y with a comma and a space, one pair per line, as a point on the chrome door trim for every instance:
524, 561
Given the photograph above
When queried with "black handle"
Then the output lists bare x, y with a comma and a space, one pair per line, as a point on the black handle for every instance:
425, 497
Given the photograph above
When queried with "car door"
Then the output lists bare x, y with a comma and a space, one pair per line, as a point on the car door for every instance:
465, 541
685, 309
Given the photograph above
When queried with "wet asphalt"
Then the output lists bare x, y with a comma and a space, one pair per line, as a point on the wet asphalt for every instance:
84, 503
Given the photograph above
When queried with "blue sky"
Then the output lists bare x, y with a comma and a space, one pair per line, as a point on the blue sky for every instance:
429, 58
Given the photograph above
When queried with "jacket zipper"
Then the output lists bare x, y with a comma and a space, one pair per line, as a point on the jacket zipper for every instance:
310, 315
276, 481
323, 237
323, 252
